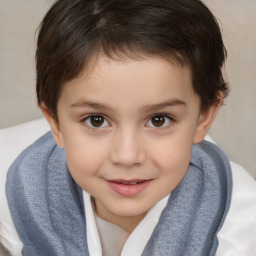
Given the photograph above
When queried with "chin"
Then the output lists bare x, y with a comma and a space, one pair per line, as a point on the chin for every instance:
130, 209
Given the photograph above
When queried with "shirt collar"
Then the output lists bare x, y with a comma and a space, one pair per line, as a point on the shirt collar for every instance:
137, 239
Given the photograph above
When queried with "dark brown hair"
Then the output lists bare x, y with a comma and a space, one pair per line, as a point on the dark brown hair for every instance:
73, 32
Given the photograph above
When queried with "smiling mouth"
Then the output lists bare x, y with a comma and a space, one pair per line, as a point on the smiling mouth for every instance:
128, 187
128, 182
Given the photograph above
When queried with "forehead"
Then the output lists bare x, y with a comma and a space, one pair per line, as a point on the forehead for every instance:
145, 79
101, 59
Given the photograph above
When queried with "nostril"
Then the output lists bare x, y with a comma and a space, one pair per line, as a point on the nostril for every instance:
127, 150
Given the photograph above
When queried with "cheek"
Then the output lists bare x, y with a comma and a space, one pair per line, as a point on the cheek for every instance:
172, 159
84, 159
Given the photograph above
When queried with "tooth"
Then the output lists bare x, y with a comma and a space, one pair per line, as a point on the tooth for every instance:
129, 183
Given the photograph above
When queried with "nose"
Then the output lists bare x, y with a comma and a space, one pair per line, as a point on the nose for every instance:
127, 150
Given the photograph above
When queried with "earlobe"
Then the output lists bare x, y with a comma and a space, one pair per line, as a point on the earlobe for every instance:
55, 127
205, 120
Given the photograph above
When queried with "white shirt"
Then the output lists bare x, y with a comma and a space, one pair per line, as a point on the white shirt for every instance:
137, 240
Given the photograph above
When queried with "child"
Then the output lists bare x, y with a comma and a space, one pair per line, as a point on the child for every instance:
130, 89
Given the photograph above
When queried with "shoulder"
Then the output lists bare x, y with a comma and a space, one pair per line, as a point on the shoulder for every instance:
13, 141
238, 233
29, 166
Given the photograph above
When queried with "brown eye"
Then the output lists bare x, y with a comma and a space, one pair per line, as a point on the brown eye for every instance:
96, 121
159, 121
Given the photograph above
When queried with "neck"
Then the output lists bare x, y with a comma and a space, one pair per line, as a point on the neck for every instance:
128, 223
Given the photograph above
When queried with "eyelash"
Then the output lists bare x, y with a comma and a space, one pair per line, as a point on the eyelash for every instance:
165, 116
88, 117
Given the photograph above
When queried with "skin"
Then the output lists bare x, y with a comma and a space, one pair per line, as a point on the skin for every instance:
149, 118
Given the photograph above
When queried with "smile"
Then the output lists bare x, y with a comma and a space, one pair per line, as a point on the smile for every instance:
128, 187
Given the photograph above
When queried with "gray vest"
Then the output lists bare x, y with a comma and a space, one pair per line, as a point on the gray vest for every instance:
48, 212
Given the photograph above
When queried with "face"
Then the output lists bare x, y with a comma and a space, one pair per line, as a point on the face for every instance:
128, 128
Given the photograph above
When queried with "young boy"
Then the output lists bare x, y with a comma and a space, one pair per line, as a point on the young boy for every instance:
130, 89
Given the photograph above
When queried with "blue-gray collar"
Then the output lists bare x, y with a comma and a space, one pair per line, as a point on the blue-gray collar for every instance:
48, 212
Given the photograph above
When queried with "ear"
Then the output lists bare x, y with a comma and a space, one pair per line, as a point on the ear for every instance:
205, 120
55, 127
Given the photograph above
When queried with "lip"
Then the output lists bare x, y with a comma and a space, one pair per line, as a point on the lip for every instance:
128, 187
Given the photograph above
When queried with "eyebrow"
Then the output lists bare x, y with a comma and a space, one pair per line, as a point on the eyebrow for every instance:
159, 106
86, 104
148, 108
